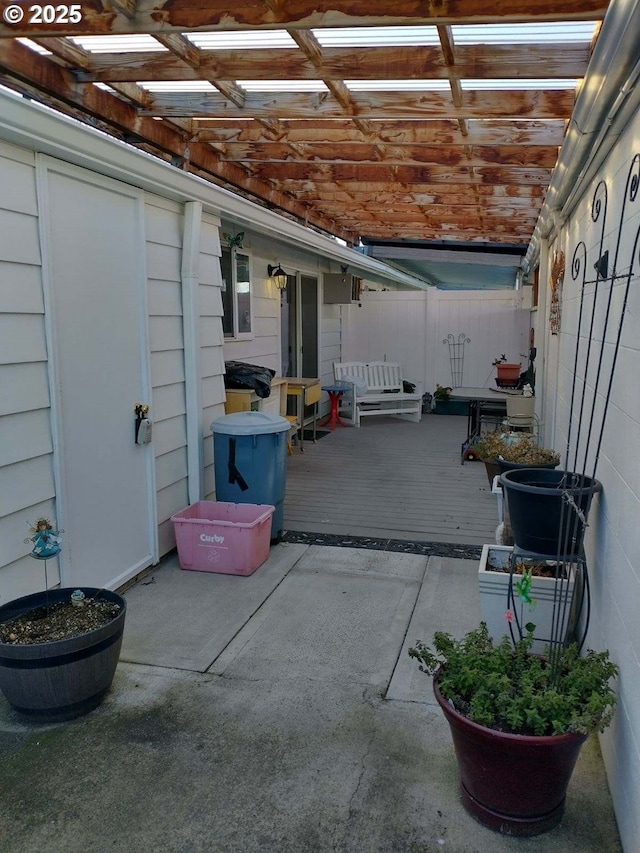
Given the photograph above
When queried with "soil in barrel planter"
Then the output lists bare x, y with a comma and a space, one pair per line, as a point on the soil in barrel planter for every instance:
58, 621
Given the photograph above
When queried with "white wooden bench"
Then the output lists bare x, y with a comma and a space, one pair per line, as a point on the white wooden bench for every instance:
375, 388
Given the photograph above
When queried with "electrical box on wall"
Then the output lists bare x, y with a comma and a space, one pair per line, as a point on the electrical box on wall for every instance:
341, 288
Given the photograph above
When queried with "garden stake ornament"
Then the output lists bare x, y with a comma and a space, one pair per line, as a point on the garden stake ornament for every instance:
46, 543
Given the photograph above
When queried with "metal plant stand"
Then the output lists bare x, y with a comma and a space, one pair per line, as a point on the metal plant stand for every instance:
456, 356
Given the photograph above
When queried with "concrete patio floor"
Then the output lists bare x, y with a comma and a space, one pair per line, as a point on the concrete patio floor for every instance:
277, 713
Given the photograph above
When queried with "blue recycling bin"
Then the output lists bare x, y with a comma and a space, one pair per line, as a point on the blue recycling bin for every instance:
250, 459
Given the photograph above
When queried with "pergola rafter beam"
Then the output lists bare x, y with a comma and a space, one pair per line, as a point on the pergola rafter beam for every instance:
99, 17
17, 61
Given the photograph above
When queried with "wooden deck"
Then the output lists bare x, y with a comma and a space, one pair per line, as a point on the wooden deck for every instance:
392, 479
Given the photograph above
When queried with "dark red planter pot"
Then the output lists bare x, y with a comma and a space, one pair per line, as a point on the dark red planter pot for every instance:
55, 681
514, 784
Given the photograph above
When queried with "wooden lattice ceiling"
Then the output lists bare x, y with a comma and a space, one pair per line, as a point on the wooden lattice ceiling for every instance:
462, 163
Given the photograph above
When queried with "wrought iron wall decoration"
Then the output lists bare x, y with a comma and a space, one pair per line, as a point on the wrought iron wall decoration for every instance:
604, 278
602, 306
456, 356
604, 320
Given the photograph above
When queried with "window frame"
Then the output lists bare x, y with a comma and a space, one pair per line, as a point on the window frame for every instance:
235, 333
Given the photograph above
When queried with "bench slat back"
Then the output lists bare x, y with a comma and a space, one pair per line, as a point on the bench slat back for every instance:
379, 375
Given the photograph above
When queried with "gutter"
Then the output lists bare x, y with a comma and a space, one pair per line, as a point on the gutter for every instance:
608, 95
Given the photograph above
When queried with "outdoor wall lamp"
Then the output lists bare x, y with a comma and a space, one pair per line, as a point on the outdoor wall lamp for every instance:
278, 275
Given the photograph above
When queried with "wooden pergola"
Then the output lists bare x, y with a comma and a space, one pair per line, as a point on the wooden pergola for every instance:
458, 162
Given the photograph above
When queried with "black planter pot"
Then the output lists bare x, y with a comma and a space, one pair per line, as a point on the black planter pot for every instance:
60, 680
514, 784
541, 521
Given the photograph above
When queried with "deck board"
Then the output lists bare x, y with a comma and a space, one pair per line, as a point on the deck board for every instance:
394, 479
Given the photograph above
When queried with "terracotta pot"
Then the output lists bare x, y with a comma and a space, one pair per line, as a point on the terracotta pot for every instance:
514, 784
507, 373
62, 679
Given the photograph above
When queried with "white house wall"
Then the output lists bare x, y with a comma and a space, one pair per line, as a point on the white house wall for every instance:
26, 447
613, 544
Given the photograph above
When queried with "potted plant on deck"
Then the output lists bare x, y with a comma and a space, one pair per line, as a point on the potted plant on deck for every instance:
59, 648
444, 405
518, 722
503, 451
507, 372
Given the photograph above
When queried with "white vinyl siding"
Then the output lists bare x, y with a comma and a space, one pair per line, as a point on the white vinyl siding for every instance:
25, 423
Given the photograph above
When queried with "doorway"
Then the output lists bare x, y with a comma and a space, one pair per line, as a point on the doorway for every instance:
299, 326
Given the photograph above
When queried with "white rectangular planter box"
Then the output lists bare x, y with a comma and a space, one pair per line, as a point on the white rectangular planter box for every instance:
494, 598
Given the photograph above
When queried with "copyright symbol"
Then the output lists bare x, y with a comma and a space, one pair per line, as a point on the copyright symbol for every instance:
13, 14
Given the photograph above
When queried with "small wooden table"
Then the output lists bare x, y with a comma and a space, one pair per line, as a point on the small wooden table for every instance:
307, 391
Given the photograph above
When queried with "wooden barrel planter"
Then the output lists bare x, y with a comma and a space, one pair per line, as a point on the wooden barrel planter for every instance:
62, 679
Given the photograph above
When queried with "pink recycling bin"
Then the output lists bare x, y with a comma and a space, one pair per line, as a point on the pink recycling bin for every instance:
226, 538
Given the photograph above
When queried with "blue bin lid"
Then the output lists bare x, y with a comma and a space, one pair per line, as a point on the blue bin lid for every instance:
250, 423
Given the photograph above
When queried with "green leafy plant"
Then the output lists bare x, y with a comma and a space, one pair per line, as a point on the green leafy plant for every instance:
520, 447
442, 393
504, 687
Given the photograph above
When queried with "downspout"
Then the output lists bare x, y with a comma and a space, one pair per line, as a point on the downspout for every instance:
190, 322
608, 83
